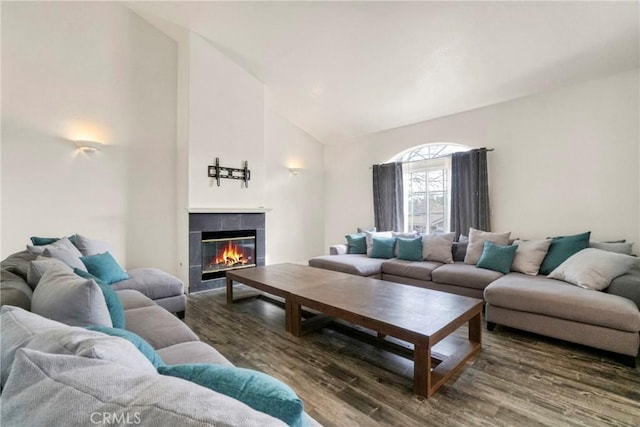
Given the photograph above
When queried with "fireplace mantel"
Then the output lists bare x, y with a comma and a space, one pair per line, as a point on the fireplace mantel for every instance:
229, 210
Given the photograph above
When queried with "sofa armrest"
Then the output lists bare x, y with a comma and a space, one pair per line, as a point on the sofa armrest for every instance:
340, 249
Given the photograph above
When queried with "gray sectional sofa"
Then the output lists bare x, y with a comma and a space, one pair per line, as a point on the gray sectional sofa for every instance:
63, 374
164, 289
608, 320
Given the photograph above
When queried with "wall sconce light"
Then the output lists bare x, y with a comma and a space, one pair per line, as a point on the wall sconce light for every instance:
295, 171
88, 146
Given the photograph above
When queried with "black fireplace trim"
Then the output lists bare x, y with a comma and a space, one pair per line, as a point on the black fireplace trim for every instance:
199, 222
228, 234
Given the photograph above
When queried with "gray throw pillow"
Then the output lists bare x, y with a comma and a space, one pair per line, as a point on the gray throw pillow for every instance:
68, 298
617, 247
18, 328
476, 243
78, 391
593, 268
89, 246
529, 256
437, 247
60, 243
39, 266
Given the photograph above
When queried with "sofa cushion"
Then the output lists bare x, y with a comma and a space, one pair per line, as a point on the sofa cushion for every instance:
360, 265
497, 257
410, 249
21, 329
39, 266
260, 391
623, 247
465, 275
438, 247
114, 305
369, 235
50, 389
42, 241
142, 346
65, 255
529, 255
14, 290
18, 327
476, 243
158, 327
356, 243
63, 296
192, 352
562, 300
88, 246
383, 247
420, 270
562, 248
593, 268
133, 299
152, 282
627, 285
105, 267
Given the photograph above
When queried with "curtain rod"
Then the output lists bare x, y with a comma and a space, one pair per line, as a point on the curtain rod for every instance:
432, 158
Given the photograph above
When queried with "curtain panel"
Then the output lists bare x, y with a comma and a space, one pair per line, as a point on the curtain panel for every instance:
388, 197
470, 191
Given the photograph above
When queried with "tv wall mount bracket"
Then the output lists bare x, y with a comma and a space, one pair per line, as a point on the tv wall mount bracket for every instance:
218, 172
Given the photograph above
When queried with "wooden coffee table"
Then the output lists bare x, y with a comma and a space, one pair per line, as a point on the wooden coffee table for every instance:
419, 316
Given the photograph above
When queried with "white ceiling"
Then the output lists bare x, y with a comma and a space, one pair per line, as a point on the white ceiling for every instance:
344, 69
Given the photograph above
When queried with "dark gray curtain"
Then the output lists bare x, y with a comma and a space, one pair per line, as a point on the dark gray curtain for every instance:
388, 200
469, 191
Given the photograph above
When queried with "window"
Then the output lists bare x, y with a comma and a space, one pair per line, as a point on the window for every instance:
427, 184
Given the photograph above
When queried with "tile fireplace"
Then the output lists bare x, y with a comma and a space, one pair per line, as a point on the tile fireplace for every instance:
219, 242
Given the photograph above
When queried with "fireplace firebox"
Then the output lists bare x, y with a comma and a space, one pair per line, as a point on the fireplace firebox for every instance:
227, 250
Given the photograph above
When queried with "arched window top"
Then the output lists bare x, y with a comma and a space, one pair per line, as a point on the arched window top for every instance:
429, 151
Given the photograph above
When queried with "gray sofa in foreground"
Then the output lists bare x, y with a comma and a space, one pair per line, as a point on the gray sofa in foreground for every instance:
607, 320
63, 374
164, 289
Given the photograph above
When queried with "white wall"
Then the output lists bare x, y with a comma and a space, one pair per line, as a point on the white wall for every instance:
94, 71
226, 120
295, 230
565, 161
226, 116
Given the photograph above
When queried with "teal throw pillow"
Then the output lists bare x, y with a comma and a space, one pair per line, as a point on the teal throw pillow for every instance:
114, 305
383, 247
41, 241
410, 249
256, 389
135, 339
561, 249
104, 267
356, 243
497, 257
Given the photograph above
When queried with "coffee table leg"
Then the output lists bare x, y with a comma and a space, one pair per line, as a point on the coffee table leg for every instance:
422, 370
293, 316
229, 291
475, 328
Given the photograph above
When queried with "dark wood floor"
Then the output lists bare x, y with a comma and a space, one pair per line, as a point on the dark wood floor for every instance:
518, 379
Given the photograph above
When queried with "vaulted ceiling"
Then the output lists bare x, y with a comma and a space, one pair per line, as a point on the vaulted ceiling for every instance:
344, 69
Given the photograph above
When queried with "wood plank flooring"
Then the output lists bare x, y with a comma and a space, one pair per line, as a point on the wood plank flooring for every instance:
518, 379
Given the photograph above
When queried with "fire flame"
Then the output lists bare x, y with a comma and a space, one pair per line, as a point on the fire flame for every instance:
230, 256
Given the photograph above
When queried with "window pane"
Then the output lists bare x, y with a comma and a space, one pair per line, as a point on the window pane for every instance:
427, 186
